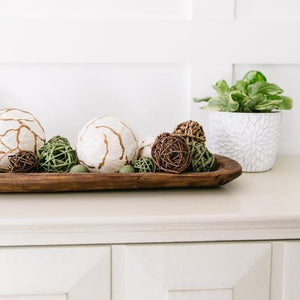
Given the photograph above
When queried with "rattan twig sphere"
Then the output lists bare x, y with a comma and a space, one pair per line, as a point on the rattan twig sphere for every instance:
191, 131
57, 155
23, 162
144, 165
171, 153
202, 159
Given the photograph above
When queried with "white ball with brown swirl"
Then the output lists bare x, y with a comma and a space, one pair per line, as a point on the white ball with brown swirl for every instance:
19, 131
145, 147
106, 144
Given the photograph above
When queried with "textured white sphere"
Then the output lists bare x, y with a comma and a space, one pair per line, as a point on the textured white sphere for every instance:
19, 131
145, 146
250, 138
106, 144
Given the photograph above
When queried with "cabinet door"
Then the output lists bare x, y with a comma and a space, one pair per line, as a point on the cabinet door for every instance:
55, 273
286, 271
222, 271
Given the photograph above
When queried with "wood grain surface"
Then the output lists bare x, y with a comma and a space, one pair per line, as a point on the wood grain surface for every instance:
226, 171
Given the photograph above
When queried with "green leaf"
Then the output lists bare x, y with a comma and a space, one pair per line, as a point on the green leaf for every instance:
222, 104
246, 110
272, 102
197, 100
262, 87
249, 105
221, 87
287, 103
238, 96
268, 105
254, 76
241, 86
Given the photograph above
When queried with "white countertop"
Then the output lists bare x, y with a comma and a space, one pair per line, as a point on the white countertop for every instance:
255, 206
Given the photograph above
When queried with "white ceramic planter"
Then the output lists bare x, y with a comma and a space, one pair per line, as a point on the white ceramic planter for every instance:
250, 138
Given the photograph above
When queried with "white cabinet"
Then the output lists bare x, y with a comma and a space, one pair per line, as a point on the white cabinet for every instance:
217, 271
182, 271
55, 273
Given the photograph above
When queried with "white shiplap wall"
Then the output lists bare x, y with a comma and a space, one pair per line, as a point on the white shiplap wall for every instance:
70, 60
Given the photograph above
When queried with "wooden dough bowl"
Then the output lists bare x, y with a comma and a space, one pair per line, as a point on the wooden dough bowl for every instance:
226, 170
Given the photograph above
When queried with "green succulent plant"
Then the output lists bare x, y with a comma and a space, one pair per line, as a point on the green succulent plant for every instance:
251, 94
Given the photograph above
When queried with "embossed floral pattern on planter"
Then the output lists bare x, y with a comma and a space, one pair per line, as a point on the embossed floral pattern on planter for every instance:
250, 138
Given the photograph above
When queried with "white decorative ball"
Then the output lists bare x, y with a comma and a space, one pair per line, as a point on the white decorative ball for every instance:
106, 144
19, 131
145, 147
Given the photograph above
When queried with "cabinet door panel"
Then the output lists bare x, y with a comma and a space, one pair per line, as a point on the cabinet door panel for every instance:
222, 271
55, 273
286, 271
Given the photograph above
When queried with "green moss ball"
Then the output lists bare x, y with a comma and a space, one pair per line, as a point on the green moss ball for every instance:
127, 169
79, 169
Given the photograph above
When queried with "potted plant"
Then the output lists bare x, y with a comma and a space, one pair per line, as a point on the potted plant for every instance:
245, 120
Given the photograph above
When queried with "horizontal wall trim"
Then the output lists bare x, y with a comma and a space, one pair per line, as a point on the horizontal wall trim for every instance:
94, 41
147, 41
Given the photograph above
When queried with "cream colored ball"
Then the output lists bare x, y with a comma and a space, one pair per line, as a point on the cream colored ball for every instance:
145, 147
19, 131
106, 144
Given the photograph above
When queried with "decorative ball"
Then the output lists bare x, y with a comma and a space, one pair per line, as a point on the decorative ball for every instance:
106, 144
144, 165
171, 153
58, 140
57, 155
19, 131
191, 131
145, 147
23, 162
79, 169
127, 169
202, 159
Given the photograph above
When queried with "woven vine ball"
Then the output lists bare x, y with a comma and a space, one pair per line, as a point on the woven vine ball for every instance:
171, 153
23, 162
202, 159
57, 156
144, 165
191, 131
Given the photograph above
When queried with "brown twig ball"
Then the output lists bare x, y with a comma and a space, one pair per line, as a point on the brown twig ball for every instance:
171, 153
192, 131
23, 162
